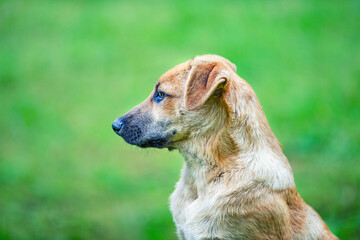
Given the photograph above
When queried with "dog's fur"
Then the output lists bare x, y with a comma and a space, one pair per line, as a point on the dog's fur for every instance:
236, 182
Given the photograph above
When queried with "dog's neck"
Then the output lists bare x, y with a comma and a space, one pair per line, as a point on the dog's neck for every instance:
244, 140
235, 137
243, 143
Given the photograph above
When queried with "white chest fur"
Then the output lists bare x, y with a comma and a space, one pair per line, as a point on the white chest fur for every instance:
218, 208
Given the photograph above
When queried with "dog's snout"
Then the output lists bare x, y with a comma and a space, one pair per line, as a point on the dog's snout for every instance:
117, 125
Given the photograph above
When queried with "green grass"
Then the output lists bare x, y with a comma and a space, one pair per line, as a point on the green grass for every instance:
69, 68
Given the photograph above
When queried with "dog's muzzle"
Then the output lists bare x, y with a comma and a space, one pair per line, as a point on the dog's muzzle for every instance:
126, 129
140, 132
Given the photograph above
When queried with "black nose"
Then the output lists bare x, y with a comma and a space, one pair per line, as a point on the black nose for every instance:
117, 125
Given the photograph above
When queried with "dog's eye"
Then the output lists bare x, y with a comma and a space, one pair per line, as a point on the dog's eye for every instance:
159, 95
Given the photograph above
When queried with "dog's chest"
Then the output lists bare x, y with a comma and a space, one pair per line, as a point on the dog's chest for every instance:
187, 212
222, 212
196, 216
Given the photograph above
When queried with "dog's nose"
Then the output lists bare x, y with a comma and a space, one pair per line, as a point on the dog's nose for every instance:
117, 125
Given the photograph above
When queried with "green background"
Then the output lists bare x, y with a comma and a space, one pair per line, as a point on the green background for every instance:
69, 68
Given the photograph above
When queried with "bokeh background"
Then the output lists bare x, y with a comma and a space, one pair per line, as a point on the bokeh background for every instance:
69, 68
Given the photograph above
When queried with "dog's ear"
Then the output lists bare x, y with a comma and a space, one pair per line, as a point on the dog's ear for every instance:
204, 79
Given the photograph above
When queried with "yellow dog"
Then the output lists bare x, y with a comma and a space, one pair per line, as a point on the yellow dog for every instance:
236, 182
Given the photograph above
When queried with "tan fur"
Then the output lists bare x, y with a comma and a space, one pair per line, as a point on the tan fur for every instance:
236, 182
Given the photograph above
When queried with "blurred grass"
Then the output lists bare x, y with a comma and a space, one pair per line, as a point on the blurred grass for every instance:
69, 68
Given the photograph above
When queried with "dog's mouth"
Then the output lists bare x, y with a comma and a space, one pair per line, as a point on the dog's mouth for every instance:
156, 143
135, 138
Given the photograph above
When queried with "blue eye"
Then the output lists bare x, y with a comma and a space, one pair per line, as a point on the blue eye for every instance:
159, 96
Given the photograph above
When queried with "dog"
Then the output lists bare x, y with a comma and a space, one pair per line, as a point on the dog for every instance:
236, 182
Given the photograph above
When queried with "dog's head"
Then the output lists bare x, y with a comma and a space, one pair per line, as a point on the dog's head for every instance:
181, 105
